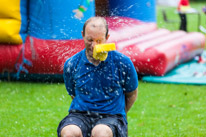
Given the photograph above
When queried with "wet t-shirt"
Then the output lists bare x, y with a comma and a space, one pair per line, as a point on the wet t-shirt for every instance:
100, 88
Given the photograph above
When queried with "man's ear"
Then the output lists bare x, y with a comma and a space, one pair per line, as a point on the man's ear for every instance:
82, 34
107, 37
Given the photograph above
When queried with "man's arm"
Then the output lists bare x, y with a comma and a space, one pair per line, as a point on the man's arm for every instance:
68, 78
130, 99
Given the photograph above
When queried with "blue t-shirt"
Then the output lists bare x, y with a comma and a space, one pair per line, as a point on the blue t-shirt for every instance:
100, 88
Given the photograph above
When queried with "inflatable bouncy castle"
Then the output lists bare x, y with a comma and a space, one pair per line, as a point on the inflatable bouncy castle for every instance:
36, 37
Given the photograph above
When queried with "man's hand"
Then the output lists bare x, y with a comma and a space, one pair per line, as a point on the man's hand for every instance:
130, 99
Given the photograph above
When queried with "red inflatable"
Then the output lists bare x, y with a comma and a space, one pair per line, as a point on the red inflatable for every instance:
143, 38
122, 28
48, 56
153, 51
158, 56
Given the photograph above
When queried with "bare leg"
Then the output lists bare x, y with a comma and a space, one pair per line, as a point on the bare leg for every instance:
71, 131
102, 131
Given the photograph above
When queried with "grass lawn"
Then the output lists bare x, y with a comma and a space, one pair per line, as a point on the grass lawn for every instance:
163, 110
35, 109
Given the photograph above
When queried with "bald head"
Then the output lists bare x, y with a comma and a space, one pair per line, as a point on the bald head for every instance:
96, 22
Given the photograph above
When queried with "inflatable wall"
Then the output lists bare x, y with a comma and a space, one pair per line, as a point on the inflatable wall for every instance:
13, 21
55, 19
143, 10
37, 37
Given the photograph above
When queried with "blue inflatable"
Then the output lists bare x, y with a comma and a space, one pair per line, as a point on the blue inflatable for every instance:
55, 19
143, 10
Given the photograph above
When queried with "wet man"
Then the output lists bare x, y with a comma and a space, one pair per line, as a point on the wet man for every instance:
102, 91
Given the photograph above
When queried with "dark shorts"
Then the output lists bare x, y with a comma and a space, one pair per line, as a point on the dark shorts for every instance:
87, 120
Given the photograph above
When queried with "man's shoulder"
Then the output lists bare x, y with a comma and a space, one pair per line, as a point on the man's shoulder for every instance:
73, 59
117, 56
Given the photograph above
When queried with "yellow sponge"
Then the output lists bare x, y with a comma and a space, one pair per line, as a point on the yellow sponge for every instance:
101, 50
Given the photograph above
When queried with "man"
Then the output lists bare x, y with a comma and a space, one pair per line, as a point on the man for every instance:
102, 91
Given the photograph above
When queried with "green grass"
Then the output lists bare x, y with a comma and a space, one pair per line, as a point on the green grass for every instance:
31, 109
35, 109
163, 110
169, 111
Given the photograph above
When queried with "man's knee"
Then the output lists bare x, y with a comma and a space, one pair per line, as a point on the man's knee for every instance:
71, 131
102, 131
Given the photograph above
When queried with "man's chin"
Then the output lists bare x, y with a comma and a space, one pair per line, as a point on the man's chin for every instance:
91, 53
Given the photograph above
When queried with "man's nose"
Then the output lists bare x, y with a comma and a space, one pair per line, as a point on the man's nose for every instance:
93, 44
